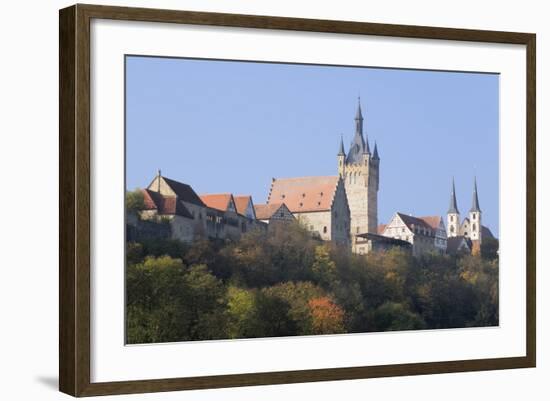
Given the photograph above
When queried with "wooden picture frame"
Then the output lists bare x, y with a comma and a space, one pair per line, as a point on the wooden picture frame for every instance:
75, 207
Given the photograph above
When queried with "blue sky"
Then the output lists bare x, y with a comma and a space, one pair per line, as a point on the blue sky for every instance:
225, 126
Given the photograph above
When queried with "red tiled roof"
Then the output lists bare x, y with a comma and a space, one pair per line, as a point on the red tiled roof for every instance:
241, 203
304, 194
164, 204
380, 229
432, 221
217, 201
265, 211
149, 199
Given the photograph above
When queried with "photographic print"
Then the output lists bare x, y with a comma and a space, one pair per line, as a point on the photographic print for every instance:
276, 199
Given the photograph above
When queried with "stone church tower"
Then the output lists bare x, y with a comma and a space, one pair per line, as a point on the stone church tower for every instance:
453, 216
475, 216
360, 171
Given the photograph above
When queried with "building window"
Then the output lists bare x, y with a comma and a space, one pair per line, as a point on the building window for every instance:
324, 229
474, 227
311, 228
357, 230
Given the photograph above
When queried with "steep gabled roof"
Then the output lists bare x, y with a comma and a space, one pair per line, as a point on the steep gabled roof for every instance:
304, 194
242, 202
414, 222
266, 211
218, 201
184, 192
454, 244
167, 205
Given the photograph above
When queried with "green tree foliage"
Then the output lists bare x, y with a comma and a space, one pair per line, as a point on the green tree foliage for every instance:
134, 201
396, 316
288, 283
323, 268
297, 295
167, 301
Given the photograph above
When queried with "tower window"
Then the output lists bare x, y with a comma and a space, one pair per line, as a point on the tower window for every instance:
325, 229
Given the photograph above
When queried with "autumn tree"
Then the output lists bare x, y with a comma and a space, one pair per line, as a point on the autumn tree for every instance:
326, 316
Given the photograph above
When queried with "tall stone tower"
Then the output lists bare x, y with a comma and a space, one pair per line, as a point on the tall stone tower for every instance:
475, 216
360, 171
453, 215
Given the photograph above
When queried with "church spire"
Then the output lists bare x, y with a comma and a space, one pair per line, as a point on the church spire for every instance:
475, 200
341, 150
453, 208
359, 125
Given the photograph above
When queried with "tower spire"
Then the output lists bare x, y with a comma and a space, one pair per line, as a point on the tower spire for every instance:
475, 200
453, 208
375, 154
341, 150
359, 124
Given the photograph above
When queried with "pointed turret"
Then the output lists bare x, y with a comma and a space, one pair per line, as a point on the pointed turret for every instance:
453, 208
341, 151
475, 200
375, 154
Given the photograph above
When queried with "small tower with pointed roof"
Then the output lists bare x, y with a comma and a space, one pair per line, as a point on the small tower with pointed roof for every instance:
475, 216
341, 158
359, 169
453, 215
